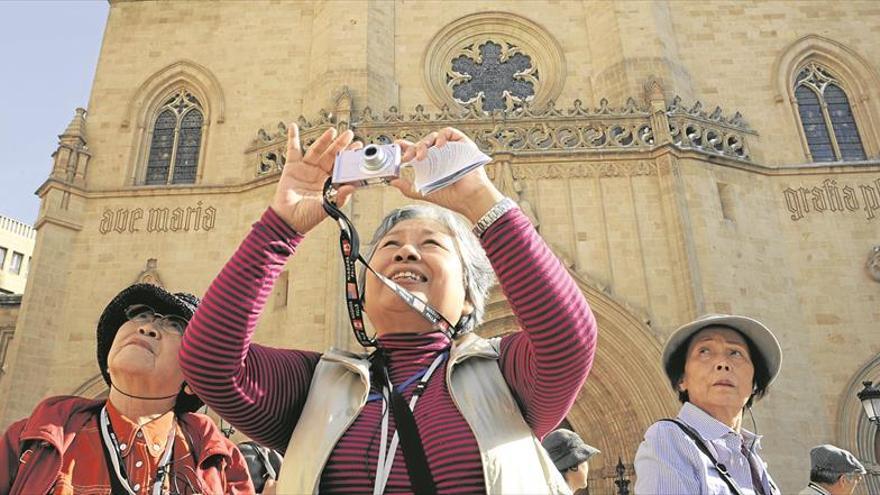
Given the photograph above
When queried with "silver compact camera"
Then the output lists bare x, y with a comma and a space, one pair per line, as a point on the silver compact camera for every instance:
373, 164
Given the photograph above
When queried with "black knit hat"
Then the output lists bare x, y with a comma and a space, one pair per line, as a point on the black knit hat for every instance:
179, 304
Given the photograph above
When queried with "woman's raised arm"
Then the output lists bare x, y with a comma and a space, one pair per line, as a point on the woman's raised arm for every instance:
260, 390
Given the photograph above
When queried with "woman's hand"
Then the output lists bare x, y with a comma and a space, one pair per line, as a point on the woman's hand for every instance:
299, 195
472, 195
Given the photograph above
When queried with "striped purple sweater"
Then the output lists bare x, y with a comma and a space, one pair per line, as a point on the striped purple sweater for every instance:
261, 390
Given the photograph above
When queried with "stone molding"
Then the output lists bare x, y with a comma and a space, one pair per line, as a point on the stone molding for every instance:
195, 77
504, 28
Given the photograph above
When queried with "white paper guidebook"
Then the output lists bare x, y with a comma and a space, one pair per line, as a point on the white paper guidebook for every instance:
444, 166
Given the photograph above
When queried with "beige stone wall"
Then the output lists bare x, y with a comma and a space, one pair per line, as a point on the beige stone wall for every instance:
653, 236
806, 279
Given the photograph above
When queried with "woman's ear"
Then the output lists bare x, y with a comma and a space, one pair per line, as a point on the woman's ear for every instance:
187, 390
467, 309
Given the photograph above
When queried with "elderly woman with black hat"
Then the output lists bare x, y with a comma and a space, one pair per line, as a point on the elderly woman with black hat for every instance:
145, 438
719, 365
466, 412
570, 455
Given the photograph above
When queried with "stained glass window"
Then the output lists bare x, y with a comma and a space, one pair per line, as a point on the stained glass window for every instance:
161, 148
826, 116
844, 124
814, 125
188, 143
176, 140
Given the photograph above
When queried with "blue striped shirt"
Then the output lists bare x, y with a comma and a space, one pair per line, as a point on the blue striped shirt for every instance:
669, 463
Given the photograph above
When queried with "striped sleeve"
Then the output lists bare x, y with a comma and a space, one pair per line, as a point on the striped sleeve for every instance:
260, 390
545, 364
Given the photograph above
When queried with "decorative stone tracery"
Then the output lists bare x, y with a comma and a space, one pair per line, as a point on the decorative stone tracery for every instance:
493, 61
527, 131
492, 76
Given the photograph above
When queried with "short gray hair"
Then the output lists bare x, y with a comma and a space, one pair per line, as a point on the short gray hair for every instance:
478, 274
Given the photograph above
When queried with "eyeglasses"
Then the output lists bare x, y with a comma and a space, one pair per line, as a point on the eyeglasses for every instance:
141, 313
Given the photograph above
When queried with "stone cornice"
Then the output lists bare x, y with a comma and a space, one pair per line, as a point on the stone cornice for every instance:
57, 221
558, 165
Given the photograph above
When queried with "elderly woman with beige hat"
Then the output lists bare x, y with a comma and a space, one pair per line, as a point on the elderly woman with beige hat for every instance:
719, 365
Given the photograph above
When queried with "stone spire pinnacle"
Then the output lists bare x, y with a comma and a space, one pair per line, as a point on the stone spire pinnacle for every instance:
76, 129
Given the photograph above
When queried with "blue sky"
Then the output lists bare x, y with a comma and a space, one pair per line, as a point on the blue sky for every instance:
48, 54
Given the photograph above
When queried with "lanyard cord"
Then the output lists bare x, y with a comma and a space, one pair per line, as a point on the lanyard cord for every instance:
109, 440
386, 457
349, 244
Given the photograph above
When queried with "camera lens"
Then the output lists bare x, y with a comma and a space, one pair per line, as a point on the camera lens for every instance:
374, 158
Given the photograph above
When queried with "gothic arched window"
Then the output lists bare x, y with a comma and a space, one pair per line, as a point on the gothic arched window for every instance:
827, 117
176, 140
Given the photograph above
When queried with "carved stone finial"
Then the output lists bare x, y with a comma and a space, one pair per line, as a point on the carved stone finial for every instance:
654, 90
150, 274
344, 105
873, 264
76, 129
72, 156
578, 109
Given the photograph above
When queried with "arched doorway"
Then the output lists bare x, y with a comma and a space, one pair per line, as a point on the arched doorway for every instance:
626, 391
855, 432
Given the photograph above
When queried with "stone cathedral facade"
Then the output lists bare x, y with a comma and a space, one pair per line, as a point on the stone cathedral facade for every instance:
680, 158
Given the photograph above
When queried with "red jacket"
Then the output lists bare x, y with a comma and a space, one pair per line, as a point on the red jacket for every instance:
31, 449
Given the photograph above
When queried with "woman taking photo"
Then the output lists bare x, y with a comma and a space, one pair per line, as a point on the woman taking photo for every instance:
478, 407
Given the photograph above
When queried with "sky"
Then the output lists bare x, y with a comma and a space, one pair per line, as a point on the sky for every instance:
48, 54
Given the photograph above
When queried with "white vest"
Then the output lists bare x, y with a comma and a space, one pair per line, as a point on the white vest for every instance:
513, 460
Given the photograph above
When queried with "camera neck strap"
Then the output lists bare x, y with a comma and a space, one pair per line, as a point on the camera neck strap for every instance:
349, 245
407, 434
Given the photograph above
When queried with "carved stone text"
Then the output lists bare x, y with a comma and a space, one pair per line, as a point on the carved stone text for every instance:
161, 219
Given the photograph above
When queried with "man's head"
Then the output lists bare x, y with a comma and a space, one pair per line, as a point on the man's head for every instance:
570, 454
835, 469
139, 336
